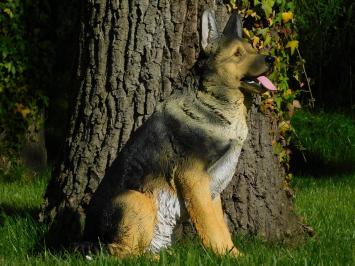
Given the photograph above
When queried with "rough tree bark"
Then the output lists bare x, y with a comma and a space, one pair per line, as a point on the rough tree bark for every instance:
131, 55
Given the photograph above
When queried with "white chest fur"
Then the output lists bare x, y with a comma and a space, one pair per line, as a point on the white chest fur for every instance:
223, 169
167, 215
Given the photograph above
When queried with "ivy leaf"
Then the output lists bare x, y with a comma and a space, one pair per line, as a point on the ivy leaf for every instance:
284, 127
9, 12
233, 3
263, 31
256, 40
270, 21
289, 177
23, 110
267, 6
252, 14
292, 45
246, 32
277, 147
287, 16
245, 3
288, 95
278, 101
267, 40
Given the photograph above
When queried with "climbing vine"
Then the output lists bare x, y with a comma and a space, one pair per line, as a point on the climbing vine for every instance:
270, 27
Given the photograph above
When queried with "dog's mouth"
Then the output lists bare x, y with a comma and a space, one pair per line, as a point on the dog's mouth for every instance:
257, 84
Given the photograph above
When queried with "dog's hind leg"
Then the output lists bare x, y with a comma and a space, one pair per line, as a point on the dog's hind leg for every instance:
136, 226
193, 184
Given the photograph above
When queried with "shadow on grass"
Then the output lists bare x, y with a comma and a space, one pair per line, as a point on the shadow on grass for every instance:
315, 165
30, 219
12, 211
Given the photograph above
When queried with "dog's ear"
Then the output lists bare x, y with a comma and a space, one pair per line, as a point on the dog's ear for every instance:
233, 28
209, 33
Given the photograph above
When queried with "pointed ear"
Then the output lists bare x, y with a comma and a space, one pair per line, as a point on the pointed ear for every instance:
233, 28
209, 34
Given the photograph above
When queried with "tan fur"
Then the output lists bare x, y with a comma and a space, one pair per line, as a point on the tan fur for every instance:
217, 206
193, 183
135, 229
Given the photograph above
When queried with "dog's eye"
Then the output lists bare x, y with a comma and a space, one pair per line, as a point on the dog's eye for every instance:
238, 53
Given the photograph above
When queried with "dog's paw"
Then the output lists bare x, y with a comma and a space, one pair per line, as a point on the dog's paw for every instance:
86, 248
236, 253
152, 256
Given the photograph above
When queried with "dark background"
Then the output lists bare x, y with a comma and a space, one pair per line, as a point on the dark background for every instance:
49, 33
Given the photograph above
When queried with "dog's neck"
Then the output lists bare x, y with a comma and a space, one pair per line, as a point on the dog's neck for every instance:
221, 92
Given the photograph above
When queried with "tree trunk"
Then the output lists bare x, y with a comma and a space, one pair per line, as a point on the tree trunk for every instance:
131, 55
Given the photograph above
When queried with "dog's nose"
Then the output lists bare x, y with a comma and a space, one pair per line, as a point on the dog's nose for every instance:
270, 60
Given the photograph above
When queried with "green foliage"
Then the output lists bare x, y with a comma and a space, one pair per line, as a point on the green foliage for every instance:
327, 41
37, 39
329, 137
19, 102
270, 26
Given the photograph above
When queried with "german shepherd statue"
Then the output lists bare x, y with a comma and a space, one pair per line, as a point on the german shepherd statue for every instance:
176, 165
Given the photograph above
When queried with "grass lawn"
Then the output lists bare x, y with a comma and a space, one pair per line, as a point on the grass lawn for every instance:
326, 202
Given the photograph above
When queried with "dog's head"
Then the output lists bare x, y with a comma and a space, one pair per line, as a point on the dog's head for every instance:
233, 61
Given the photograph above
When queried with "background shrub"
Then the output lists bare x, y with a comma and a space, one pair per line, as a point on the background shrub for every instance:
326, 29
18, 102
37, 41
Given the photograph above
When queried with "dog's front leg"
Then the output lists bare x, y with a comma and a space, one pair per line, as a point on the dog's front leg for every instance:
217, 205
193, 184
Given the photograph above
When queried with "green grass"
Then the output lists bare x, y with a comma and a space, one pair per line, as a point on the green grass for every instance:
327, 204
331, 137
329, 142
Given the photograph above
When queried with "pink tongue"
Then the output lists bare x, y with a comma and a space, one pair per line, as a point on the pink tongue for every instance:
266, 83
